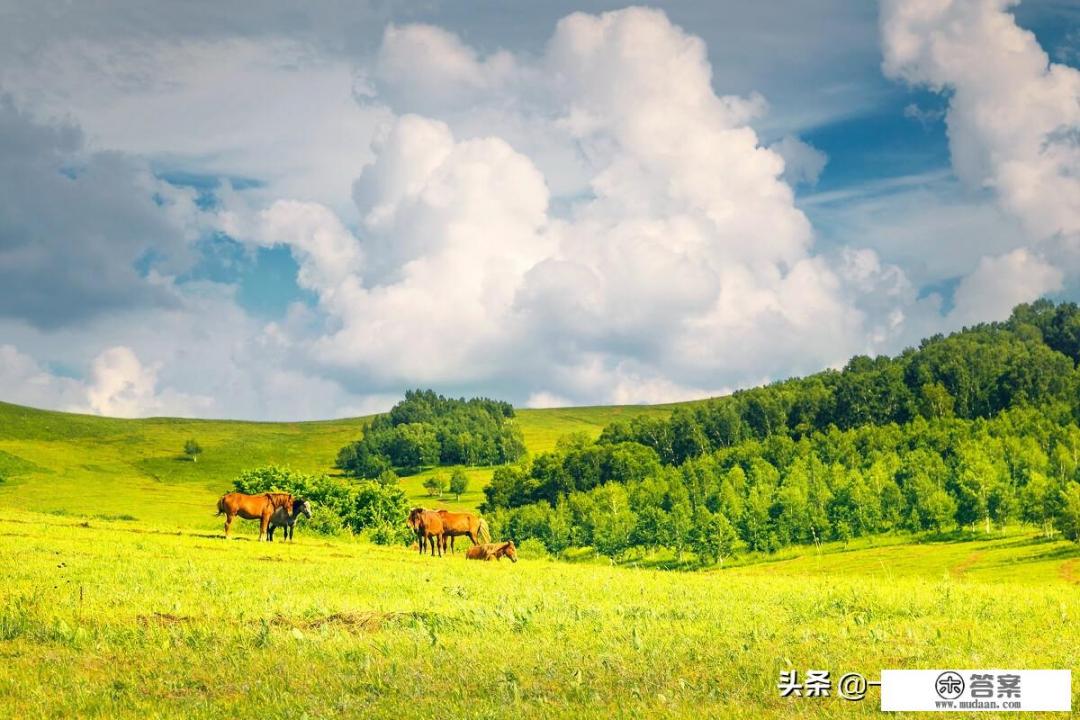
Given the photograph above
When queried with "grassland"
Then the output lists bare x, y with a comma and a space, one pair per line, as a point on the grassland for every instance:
120, 599
86, 465
126, 619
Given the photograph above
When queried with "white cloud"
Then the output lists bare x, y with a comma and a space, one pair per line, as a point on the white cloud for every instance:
589, 223
1013, 117
25, 381
271, 109
73, 225
428, 68
119, 385
803, 162
686, 261
927, 224
1000, 283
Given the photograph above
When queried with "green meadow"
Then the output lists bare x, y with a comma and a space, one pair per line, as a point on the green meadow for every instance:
122, 600
86, 465
117, 619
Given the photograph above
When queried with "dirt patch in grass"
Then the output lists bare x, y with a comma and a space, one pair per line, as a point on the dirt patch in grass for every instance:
1070, 571
163, 619
367, 621
959, 569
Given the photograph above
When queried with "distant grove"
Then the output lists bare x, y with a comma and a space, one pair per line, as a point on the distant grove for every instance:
976, 429
427, 429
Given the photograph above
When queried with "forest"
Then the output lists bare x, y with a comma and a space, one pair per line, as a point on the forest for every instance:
975, 430
426, 429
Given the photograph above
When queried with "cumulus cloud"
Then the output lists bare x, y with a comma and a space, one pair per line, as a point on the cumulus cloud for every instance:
73, 225
803, 162
291, 128
1013, 117
589, 222
685, 260
1014, 130
26, 382
119, 385
999, 283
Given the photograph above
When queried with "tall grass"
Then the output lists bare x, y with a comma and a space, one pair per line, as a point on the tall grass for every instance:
122, 619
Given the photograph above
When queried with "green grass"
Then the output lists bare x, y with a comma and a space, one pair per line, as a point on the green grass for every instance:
127, 619
87, 465
120, 599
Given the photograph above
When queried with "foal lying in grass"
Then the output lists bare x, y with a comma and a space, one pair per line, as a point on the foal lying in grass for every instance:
493, 551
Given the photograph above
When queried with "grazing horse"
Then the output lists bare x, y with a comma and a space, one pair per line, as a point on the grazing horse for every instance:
253, 507
493, 551
428, 526
463, 523
283, 518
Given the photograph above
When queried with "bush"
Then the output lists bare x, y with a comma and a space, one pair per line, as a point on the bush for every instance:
532, 548
435, 485
338, 505
381, 510
326, 521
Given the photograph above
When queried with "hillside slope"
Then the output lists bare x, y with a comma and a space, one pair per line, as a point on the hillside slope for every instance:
88, 465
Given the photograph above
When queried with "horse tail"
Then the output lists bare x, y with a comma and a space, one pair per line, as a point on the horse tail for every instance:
221, 505
482, 531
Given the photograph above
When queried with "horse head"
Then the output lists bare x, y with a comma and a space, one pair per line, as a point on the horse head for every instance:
510, 551
414, 519
301, 507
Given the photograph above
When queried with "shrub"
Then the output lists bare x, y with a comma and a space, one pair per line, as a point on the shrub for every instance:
532, 548
338, 505
435, 485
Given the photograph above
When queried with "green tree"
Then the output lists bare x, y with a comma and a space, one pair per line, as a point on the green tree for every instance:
192, 449
613, 521
459, 483
1068, 516
388, 477
713, 537
435, 485
1040, 502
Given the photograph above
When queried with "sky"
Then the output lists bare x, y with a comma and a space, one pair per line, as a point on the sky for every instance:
281, 211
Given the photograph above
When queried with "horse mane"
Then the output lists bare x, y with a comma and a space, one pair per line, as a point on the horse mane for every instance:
279, 499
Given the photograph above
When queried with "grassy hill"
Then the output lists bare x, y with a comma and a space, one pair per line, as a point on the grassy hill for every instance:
124, 619
88, 465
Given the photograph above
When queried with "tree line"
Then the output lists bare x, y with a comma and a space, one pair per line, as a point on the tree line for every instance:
975, 429
427, 429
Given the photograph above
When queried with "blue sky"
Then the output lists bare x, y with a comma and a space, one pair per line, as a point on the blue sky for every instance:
269, 212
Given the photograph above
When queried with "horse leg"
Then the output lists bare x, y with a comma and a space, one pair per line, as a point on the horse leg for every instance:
228, 522
270, 533
264, 523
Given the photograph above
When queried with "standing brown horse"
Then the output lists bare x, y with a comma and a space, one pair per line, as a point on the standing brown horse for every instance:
463, 523
253, 507
428, 526
493, 551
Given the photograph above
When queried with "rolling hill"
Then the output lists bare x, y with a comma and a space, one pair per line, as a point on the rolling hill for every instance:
97, 466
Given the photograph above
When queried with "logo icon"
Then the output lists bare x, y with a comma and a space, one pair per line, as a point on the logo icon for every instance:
949, 685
